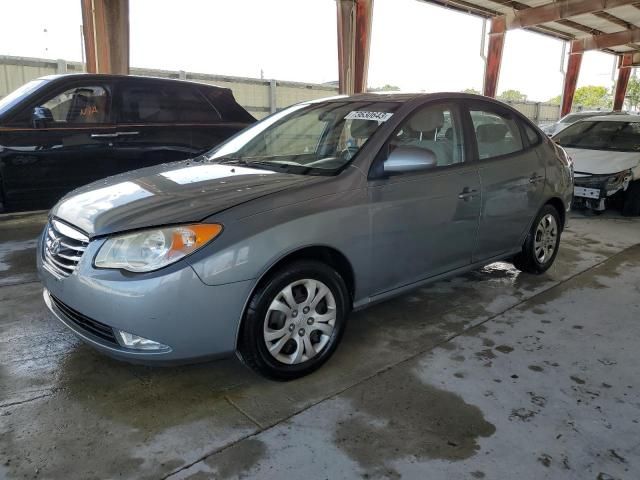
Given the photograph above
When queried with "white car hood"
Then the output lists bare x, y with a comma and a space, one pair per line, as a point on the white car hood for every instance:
601, 162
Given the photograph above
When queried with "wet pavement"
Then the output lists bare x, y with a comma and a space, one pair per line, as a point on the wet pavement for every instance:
495, 374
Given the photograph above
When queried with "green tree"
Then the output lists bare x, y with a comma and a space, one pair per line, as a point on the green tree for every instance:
471, 90
512, 96
555, 100
633, 93
592, 96
385, 88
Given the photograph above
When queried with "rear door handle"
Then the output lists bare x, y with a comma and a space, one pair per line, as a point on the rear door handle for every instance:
104, 135
536, 178
467, 193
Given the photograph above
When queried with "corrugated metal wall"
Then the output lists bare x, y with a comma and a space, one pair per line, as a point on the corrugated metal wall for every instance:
258, 96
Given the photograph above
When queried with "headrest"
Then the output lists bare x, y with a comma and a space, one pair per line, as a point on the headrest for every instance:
363, 128
427, 120
449, 134
491, 132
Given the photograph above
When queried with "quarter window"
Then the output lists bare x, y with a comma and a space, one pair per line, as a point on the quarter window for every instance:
165, 104
435, 128
80, 105
496, 134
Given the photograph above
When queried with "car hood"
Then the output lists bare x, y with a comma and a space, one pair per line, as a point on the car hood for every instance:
167, 194
601, 162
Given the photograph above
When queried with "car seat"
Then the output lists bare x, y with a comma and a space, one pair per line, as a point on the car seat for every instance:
427, 122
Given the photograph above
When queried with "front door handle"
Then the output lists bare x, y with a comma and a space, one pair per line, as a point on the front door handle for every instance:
467, 194
104, 135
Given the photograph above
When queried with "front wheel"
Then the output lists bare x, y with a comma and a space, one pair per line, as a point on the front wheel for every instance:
294, 320
541, 245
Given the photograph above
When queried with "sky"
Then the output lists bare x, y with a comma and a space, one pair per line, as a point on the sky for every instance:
414, 45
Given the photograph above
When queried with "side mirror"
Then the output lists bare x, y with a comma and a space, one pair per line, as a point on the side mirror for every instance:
409, 159
40, 117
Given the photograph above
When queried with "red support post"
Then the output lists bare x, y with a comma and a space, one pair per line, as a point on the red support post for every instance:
364, 18
346, 45
570, 81
88, 29
105, 26
354, 40
624, 72
494, 56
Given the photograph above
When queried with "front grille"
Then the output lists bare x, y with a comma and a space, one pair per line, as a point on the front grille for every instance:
85, 323
63, 248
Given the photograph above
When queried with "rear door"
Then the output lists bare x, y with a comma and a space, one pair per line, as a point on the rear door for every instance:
512, 176
161, 122
425, 223
41, 161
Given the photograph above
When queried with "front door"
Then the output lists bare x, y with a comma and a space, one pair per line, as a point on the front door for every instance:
512, 176
425, 223
70, 147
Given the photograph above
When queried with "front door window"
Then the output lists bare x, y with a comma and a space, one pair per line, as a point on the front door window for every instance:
80, 106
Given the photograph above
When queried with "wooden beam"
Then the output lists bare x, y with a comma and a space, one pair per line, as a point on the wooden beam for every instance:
494, 56
606, 40
561, 10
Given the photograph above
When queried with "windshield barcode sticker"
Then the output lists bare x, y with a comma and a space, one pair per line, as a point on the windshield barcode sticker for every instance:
377, 116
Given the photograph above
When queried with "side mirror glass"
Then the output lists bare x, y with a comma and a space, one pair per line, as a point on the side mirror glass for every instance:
41, 117
409, 159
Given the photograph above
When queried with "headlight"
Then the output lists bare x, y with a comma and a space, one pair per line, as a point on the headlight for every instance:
150, 250
618, 178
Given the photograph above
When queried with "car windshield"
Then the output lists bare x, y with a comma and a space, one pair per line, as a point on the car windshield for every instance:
312, 138
14, 97
592, 135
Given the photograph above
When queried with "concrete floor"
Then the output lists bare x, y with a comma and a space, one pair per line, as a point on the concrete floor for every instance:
495, 374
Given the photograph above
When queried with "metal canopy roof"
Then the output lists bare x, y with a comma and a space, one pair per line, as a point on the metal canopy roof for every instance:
570, 22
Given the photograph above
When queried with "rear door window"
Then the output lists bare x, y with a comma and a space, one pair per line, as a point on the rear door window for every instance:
497, 134
156, 103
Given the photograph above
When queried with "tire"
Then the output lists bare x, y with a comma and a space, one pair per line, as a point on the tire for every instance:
2, 203
540, 248
298, 346
631, 206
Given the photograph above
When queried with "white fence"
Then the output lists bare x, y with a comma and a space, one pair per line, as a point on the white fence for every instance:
259, 96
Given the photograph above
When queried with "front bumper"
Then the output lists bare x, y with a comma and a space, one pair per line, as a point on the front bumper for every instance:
592, 190
171, 306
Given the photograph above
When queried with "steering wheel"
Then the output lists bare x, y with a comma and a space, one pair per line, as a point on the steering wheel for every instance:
348, 152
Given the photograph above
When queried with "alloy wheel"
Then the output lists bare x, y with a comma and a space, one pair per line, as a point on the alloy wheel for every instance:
299, 321
546, 238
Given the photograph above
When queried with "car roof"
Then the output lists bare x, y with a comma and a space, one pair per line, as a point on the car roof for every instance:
135, 78
405, 97
613, 118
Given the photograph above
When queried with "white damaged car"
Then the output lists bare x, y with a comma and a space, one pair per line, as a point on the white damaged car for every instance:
606, 161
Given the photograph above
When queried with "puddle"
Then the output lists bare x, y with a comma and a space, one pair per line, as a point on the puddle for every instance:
236, 460
404, 417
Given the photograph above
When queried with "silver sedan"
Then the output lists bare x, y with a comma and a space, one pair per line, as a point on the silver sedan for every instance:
265, 244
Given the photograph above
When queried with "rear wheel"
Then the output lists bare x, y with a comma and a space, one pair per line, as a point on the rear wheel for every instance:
541, 245
631, 206
294, 320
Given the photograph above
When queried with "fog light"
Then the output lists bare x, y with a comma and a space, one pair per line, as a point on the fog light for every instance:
129, 340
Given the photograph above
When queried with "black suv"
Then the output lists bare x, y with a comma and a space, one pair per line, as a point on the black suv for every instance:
63, 131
